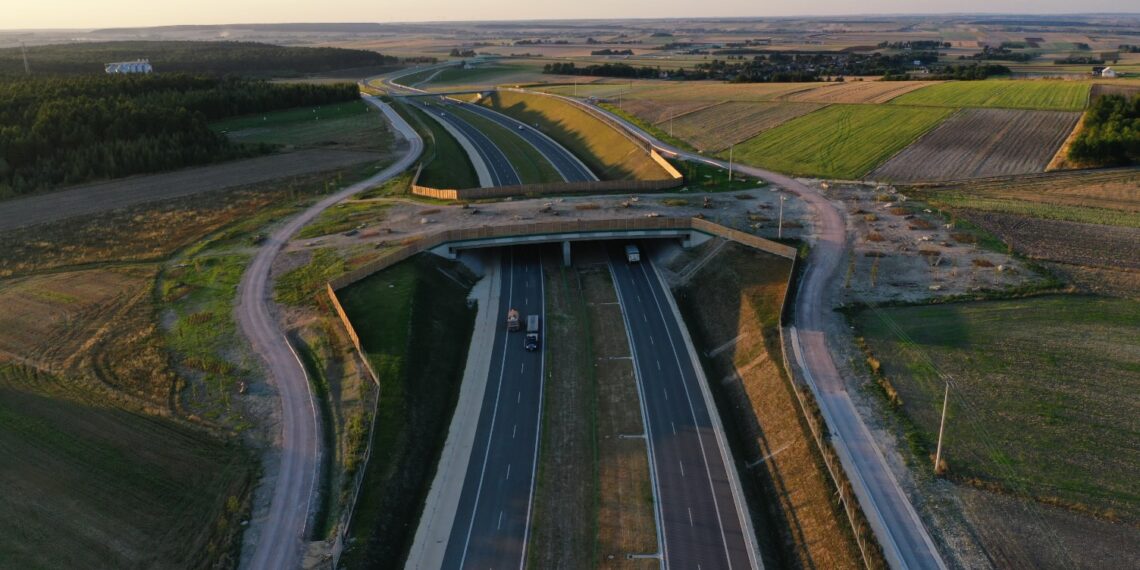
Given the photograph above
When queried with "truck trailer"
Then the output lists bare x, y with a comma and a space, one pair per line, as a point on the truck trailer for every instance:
513, 320
533, 325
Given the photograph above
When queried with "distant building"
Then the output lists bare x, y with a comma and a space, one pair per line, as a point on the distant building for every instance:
1108, 72
137, 66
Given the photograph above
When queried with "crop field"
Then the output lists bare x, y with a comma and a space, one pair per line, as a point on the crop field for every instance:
1067, 242
1041, 95
352, 125
858, 91
1107, 189
976, 143
711, 91
657, 112
608, 153
839, 141
1042, 395
717, 127
1101, 89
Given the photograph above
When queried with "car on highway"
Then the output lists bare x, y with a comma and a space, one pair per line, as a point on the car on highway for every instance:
632, 254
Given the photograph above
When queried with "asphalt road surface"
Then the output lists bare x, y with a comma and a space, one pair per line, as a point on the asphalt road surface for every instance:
502, 173
905, 541
281, 535
699, 519
568, 165
493, 519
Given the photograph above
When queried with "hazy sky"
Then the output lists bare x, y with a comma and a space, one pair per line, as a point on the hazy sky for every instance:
127, 13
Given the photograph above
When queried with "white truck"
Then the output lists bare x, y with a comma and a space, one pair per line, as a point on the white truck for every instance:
632, 254
531, 341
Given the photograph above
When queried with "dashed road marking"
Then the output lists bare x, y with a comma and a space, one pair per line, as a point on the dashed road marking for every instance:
500, 525
691, 520
514, 430
674, 428
508, 477
658, 364
666, 392
678, 463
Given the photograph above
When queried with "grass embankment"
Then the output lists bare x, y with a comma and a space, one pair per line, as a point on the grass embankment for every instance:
702, 177
839, 141
352, 125
566, 490
1010, 94
648, 127
798, 524
445, 163
1042, 399
415, 327
607, 152
531, 165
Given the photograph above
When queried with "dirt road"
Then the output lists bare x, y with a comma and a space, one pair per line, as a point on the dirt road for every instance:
905, 541
282, 533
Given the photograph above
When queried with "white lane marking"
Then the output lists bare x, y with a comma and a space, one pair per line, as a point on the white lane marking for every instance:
678, 463
658, 364
691, 521
519, 397
651, 340
644, 318
663, 389
537, 416
638, 297
674, 428
514, 430
522, 368
508, 477
500, 525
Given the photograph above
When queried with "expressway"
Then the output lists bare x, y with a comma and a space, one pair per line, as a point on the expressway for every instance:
569, 166
492, 522
282, 533
905, 540
502, 172
701, 524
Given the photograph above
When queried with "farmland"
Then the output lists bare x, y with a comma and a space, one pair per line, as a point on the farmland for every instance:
1042, 407
711, 91
657, 112
980, 143
1063, 241
608, 153
858, 91
839, 141
1109, 189
1040, 95
716, 128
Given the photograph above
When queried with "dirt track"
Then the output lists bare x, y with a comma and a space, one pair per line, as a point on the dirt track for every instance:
104, 196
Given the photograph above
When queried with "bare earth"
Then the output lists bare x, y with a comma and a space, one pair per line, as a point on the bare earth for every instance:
104, 196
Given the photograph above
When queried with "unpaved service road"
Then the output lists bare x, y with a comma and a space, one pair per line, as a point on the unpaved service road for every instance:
104, 196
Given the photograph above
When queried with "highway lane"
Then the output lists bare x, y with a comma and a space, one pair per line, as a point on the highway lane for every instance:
902, 534
701, 524
502, 172
569, 166
492, 523
281, 533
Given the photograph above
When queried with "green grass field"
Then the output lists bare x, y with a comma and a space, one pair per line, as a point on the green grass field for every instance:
354, 124
839, 141
1043, 397
415, 326
608, 153
446, 164
532, 166
1017, 94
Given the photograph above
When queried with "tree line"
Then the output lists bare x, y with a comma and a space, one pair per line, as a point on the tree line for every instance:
198, 57
1111, 132
58, 131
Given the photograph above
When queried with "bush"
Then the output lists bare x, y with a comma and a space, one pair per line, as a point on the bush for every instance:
1111, 133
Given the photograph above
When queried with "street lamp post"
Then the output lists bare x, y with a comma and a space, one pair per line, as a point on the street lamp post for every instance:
780, 228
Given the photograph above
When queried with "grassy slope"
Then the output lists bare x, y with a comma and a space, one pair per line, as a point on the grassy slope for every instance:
446, 164
1043, 399
415, 327
1047, 95
839, 141
608, 153
353, 124
532, 166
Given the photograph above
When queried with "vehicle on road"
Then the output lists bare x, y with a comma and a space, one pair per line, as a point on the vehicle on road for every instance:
513, 320
532, 325
632, 254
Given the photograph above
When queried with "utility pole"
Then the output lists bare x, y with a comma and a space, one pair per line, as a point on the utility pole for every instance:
941, 427
575, 88
780, 229
730, 162
24, 49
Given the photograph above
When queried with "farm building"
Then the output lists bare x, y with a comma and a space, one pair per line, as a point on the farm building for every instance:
137, 66
1108, 72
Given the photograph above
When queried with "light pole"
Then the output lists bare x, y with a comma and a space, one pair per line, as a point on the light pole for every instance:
780, 228
730, 162
941, 427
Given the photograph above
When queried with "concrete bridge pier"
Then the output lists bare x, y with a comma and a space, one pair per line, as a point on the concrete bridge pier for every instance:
566, 253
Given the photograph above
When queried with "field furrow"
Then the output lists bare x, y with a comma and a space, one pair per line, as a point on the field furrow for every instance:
716, 128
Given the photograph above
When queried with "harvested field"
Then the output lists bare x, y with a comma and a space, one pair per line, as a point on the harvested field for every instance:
716, 128
1113, 189
1065, 242
1042, 398
106, 196
711, 91
858, 91
1101, 89
790, 498
978, 143
1047, 95
839, 141
656, 112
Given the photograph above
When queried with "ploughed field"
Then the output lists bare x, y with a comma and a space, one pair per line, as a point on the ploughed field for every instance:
982, 142
858, 91
717, 127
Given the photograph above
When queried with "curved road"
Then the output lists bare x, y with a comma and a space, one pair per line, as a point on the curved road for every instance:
502, 172
905, 541
569, 166
282, 534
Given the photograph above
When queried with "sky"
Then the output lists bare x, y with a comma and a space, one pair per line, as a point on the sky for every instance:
130, 13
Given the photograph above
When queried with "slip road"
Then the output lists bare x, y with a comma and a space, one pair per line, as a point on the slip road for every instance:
493, 519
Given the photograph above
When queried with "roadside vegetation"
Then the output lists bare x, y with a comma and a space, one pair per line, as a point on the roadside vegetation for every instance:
608, 153
415, 328
1110, 135
531, 165
445, 164
839, 141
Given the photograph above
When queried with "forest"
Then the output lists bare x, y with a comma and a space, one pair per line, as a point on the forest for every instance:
57, 131
1111, 133
198, 57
